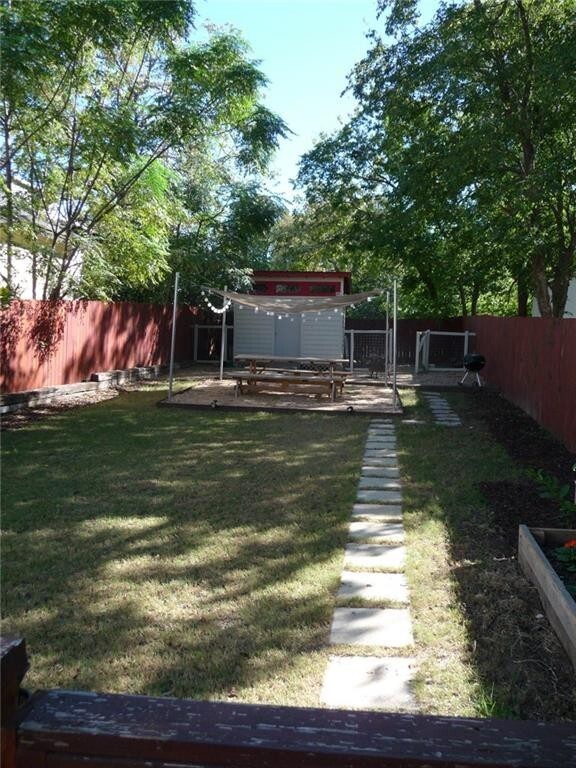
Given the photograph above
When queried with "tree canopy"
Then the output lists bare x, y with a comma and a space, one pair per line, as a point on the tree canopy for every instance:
458, 170
118, 135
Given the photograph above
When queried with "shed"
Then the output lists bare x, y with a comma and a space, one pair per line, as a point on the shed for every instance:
310, 334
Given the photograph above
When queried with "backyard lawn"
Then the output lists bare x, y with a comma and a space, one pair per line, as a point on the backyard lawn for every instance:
193, 554
198, 554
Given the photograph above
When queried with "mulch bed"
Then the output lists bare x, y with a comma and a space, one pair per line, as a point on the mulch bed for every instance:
30, 415
517, 651
513, 503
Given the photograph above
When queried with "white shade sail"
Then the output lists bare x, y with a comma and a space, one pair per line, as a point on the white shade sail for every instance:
293, 305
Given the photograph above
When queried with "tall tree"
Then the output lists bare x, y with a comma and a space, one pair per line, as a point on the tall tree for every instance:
460, 161
102, 101
482, 100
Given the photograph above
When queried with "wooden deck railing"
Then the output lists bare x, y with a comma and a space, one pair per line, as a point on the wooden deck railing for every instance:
68, 729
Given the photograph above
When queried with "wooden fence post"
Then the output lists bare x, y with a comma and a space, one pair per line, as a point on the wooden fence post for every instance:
14, 664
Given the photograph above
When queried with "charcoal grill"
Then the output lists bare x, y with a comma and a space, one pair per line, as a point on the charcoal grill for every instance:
473, 364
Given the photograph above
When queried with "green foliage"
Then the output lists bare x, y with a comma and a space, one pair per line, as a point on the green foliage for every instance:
566, 556
105, 104
458, 167
551, 488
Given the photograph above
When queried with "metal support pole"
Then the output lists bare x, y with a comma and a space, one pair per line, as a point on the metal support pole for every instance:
173, 342
387, 342
223, 342
426, 355
351, 350
417, 356
394, 343
466, 342
195, 342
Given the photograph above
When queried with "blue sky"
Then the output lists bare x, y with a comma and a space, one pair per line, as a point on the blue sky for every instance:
306, 49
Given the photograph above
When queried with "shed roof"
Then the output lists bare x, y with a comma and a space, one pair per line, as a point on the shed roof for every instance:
280, 274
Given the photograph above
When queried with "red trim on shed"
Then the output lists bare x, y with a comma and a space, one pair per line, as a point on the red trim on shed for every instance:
308, 283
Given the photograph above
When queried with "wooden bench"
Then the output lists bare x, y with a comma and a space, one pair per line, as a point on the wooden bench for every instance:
334, 384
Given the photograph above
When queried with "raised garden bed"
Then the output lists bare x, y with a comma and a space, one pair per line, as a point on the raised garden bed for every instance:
558, 603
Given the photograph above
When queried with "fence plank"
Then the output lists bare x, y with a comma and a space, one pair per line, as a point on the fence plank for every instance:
532, 361
45, 343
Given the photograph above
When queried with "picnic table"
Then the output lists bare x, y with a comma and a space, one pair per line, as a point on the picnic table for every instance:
259, 363
263, 372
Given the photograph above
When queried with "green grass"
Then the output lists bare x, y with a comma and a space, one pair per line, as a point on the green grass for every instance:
177, 552
198, 554
471, 608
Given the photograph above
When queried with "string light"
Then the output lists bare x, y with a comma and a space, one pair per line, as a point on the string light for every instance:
218, 310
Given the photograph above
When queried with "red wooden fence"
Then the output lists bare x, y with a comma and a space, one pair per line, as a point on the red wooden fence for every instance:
46, 343
532, 361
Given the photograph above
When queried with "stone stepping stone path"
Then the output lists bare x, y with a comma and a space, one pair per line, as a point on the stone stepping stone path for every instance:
373, 597
368, 682
384, 557
374, 530
374, 587
388, 627
377, 512
442, 412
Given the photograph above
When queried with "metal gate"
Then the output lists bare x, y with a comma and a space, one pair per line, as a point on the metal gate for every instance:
364, 348
441, 350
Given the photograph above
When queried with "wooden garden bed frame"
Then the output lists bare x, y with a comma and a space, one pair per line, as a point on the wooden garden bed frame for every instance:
69, 729
558, 603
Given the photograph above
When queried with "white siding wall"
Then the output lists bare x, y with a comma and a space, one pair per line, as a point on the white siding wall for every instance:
323, 334
570, 309
253, 332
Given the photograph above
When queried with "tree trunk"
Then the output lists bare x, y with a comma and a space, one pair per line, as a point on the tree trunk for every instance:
562, 276
9, 199
541, 285
523, 296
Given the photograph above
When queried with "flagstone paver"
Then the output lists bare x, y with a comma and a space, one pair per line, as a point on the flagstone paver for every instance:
388, 627
368, 471
378, 496
379, 445
378, 483
380, 461
369, 682
378, 511
386, 557
373, 573
443, 413
373, 530
374, 586
380, 453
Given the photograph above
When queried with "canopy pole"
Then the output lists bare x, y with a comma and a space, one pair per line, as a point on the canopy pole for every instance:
387, 342
223, 342
173, 341
394, 340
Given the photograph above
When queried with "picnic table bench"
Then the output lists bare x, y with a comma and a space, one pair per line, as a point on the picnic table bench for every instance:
332, 382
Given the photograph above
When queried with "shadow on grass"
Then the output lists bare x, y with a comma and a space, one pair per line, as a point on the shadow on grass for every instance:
518, 665
192, 554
